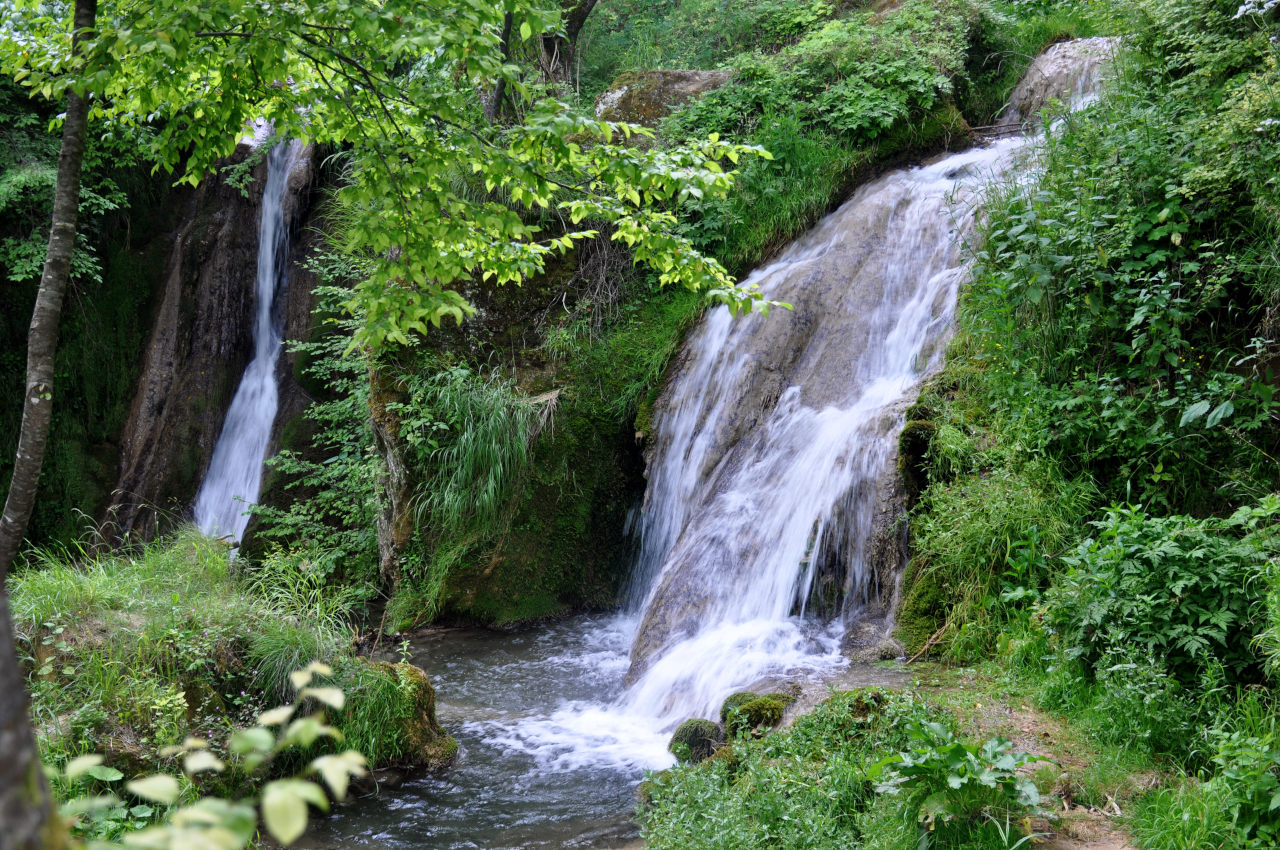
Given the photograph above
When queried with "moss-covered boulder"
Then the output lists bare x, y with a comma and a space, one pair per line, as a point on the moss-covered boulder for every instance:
734, 702
646, 97
391, 716
756, 714
695, 740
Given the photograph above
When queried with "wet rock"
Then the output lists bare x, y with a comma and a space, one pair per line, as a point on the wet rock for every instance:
646, 97
1063, 73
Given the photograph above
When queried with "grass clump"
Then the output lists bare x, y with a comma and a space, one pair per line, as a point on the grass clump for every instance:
807, 786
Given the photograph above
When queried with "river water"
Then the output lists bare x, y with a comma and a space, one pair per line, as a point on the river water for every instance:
546, 758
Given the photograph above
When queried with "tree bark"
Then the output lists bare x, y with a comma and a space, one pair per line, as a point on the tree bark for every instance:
557, 51
42, 337
494, 107
27, 818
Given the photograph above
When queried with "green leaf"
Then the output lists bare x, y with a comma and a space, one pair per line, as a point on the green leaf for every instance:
284, 807
332, 697
254, 740
275, 716
526, 31
1219, 413
80, 765
158, 788
1194, 412
106, 774
202, 760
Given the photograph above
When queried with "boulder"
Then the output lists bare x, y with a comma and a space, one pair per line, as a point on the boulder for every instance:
695, 740
646, 97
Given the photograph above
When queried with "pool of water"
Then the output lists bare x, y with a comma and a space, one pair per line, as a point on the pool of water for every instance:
551, 749
541, 762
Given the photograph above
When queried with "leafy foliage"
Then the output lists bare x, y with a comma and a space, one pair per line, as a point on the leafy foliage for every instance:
212, 821
396, 81
950, 786
807, 786
1186, 591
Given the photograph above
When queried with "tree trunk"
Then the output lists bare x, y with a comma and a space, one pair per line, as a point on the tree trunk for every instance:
558, 52
27, 819
494, 108
42, 338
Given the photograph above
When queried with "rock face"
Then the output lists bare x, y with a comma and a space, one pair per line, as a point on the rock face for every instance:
200, 343
1068, 72
646, 97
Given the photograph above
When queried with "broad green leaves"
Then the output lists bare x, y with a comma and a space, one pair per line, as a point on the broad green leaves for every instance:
221, 824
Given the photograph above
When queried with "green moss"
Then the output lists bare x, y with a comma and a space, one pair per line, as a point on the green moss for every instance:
563, 547
924, 606
695, 740
733, 702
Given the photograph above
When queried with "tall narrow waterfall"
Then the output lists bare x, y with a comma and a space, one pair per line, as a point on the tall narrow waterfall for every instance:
235, 471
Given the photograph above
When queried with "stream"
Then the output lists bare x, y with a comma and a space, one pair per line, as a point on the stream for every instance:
547, 758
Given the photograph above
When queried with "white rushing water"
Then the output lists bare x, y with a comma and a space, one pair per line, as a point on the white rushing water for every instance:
770, 440
235, 471
773, 439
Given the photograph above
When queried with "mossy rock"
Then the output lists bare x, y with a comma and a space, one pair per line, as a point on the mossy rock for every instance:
924, 606
913, 455
734, 702
695, 740
412, 736
758, 714
726, 756
646, 97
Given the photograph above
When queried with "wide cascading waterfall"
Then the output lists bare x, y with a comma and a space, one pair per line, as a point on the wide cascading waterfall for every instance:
776, 435
771, 438
235, 470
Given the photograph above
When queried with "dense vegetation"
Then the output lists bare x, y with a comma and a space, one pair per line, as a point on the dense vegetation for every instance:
1096, 528
1094, 521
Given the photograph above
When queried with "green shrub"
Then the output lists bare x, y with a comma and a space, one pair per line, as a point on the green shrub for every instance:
951, 788
1186, 591
980, 545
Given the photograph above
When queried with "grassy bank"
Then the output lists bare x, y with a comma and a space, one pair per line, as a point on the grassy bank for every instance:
127, 655
1111, 389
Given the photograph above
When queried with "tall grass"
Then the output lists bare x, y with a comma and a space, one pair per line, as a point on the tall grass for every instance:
485, 428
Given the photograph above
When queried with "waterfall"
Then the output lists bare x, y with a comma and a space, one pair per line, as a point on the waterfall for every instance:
235, 471
773, 451
777, 435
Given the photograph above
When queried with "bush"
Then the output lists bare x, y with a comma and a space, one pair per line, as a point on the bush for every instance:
1183, 590
955, 789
